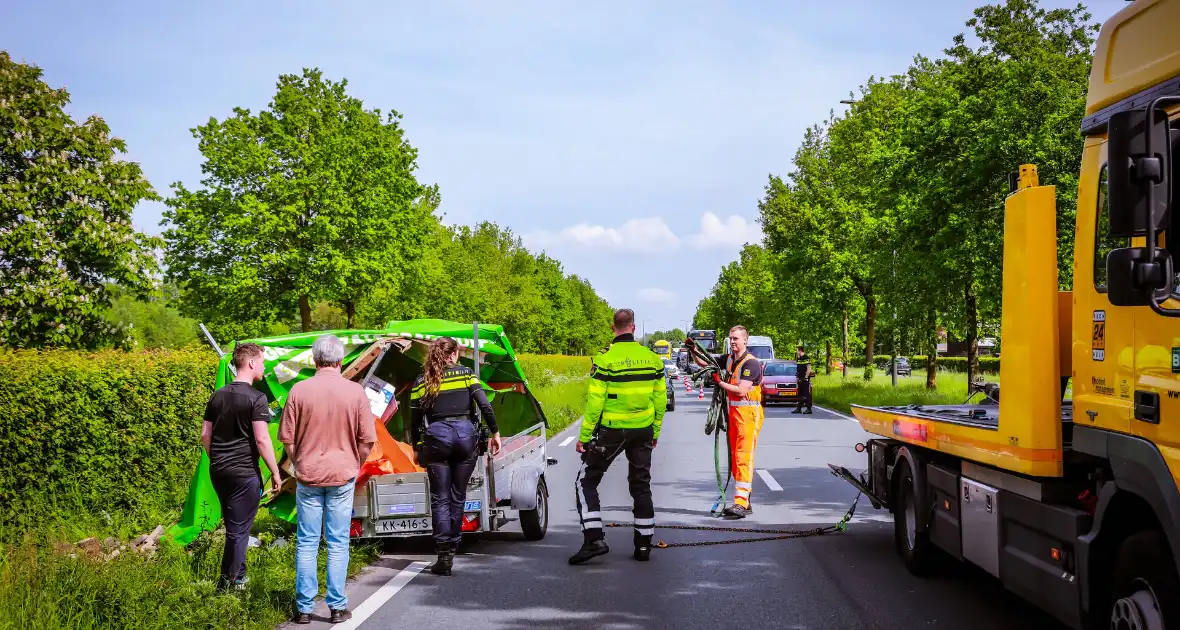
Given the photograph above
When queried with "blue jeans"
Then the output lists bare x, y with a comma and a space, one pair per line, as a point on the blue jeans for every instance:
326, 510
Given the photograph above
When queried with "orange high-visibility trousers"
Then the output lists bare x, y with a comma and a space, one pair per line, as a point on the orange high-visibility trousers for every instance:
745, 421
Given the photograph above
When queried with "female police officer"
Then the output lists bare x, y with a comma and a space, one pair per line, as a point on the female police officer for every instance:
442, 405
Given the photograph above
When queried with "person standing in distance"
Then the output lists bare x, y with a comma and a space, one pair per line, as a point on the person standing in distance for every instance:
328, 429
743, 394
625, 407
442, 416
803, 375
235, 434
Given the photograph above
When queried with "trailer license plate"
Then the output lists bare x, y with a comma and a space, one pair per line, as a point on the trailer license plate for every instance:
471, 506
402, 525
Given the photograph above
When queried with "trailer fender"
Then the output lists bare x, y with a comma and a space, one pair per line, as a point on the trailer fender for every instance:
918, 470
524, 488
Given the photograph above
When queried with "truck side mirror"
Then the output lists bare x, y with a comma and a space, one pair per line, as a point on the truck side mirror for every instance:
1132, 279
1133, 173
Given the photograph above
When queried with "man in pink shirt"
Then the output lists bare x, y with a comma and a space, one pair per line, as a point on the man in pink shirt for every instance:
328, 431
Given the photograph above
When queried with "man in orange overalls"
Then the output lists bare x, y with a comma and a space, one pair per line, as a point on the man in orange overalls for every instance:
744, 397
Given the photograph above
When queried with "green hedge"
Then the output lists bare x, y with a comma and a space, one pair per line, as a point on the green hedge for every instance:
87, 436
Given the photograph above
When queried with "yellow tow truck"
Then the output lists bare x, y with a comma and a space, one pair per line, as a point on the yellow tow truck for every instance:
1071, 503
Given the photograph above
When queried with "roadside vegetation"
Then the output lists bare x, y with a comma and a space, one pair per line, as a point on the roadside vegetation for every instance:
559, 382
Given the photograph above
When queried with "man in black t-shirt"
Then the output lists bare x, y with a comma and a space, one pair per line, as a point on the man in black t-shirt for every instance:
235, 435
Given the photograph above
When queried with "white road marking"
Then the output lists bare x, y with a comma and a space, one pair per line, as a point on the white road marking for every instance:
769, 480
566, 442
378, 599
837, 413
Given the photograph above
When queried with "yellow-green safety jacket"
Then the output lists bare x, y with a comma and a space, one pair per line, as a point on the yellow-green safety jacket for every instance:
627, 389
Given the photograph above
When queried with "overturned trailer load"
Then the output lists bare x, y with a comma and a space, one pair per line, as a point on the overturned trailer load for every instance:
385, 362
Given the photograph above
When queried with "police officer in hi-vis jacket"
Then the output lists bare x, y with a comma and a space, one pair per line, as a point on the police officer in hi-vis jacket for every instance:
625, 407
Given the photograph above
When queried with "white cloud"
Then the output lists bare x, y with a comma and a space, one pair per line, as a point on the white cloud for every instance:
637, 235
732, 233
657, 295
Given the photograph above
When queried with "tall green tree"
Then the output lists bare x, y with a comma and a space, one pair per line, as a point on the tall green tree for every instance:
65, 218
152, 321
311, 199
1015, 94
896, 206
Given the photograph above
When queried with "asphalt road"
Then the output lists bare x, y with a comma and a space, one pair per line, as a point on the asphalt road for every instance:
850, 580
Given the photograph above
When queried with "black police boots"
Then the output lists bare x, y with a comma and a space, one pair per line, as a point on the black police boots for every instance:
642, 548
593, 546
446, 556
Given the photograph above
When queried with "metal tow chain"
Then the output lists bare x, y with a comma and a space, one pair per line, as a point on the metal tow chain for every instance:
781, 534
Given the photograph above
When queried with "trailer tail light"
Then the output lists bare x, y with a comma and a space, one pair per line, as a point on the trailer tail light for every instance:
470, 523
356, 529
1055, 553
860, 447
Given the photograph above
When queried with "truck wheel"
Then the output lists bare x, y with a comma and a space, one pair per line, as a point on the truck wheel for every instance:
1146, 589
535, 522
912, 545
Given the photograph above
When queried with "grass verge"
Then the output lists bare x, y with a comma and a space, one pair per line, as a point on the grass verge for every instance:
42, 586
840, 394
559, 383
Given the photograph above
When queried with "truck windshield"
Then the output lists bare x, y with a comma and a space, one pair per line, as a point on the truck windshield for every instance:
779, 369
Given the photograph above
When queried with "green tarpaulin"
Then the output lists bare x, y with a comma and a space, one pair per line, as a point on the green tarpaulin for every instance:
288, 360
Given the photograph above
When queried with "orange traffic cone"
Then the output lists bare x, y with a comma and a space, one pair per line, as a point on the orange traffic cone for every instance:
701, 396
688, 387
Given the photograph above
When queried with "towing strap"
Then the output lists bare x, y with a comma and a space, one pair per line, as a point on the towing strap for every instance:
716, 422
778, 534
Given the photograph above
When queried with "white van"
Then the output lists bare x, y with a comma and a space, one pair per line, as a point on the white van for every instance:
761, 347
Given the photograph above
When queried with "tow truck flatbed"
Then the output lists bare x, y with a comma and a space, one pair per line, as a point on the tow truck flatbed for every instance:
971, 432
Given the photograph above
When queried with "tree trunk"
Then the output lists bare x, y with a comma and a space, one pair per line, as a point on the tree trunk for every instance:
828, 365
305, 312
350, 311
893, 352
844, 353
870, 334
972, 332
932, 353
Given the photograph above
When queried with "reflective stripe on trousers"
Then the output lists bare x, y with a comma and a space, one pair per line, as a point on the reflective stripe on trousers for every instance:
744, 424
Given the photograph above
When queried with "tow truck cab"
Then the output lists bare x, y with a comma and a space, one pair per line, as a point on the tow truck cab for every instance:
1072, 504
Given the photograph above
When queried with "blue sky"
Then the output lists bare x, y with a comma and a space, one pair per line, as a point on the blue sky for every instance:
629, 140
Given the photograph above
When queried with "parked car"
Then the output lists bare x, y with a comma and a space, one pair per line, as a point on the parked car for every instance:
780, 382
670, 368
903, 367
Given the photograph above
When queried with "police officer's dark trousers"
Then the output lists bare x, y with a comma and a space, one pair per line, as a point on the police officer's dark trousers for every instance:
449, 450
804, 394
610, 443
